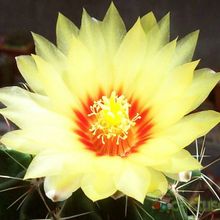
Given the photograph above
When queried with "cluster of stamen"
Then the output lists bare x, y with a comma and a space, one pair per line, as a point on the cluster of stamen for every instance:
111, 118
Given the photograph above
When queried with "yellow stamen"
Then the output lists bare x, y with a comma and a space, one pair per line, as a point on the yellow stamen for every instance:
112, 118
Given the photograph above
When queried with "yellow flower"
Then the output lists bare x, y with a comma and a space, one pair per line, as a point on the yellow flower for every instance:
108, 109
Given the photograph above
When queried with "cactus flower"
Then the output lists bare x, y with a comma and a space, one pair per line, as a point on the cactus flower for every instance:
107, 110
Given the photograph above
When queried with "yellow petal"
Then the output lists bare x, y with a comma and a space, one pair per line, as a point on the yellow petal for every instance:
43, 165
113, 30
130, 55
27, 109
151, 76
175, 84
179, 162
203, 82
55, 87
17, 97
164, 26
90, 34
28, 69
81, 59
158, 36
52, 162
192, 127
158, 185
185, 48
65, 30
61, 187
148, 21
19, 141
158, 148
184, 176
199, 90
48, 51
98, 185
134, 181
35, 139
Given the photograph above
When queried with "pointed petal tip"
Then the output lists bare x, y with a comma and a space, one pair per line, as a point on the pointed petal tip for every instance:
60, 14
165, 19
196, 62
34, 56
85, 16
197, 31
37, 38
34, 35
213, 72
173, 42
28, 176
150, 13
112, 6
140, 199
194, 35
198, 167
94, 196
85, 12
112, 10
60, 17
138, 23
18, 59
167, 15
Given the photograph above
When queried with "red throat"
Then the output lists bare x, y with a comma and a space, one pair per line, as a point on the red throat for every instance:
101, 138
